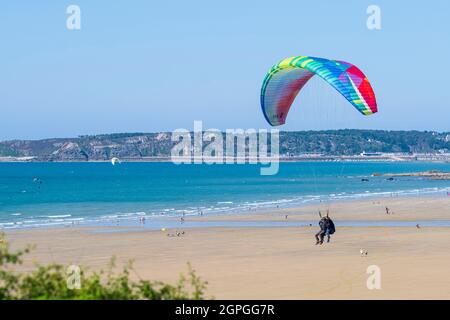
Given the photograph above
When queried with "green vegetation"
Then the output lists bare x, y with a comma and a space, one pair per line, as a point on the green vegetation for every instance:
51, 282
351, 142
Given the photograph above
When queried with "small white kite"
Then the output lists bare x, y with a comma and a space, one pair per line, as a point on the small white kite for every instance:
114, 161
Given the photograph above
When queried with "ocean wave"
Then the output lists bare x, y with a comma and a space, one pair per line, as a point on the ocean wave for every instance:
58, 216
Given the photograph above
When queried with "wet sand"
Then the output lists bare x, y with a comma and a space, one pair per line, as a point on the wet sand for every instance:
400, 209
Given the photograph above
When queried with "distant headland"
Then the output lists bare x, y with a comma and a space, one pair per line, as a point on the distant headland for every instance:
327, 145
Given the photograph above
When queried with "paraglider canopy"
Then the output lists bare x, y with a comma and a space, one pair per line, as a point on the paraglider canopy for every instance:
285, 80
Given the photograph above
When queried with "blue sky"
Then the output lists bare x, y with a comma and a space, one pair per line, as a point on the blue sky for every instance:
145, 66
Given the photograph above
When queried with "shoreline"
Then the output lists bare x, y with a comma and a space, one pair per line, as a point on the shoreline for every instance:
283, 160
302, 212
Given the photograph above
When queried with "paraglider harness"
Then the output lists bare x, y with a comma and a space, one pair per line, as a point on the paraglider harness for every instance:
330, 228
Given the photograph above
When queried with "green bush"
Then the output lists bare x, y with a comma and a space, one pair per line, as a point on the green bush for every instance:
51, 282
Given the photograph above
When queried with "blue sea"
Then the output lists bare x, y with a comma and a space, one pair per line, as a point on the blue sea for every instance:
62, 194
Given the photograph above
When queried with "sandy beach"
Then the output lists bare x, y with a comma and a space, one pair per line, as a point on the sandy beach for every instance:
275, 262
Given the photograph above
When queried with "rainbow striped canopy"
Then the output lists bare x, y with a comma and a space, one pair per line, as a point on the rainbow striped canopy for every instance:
285, 79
